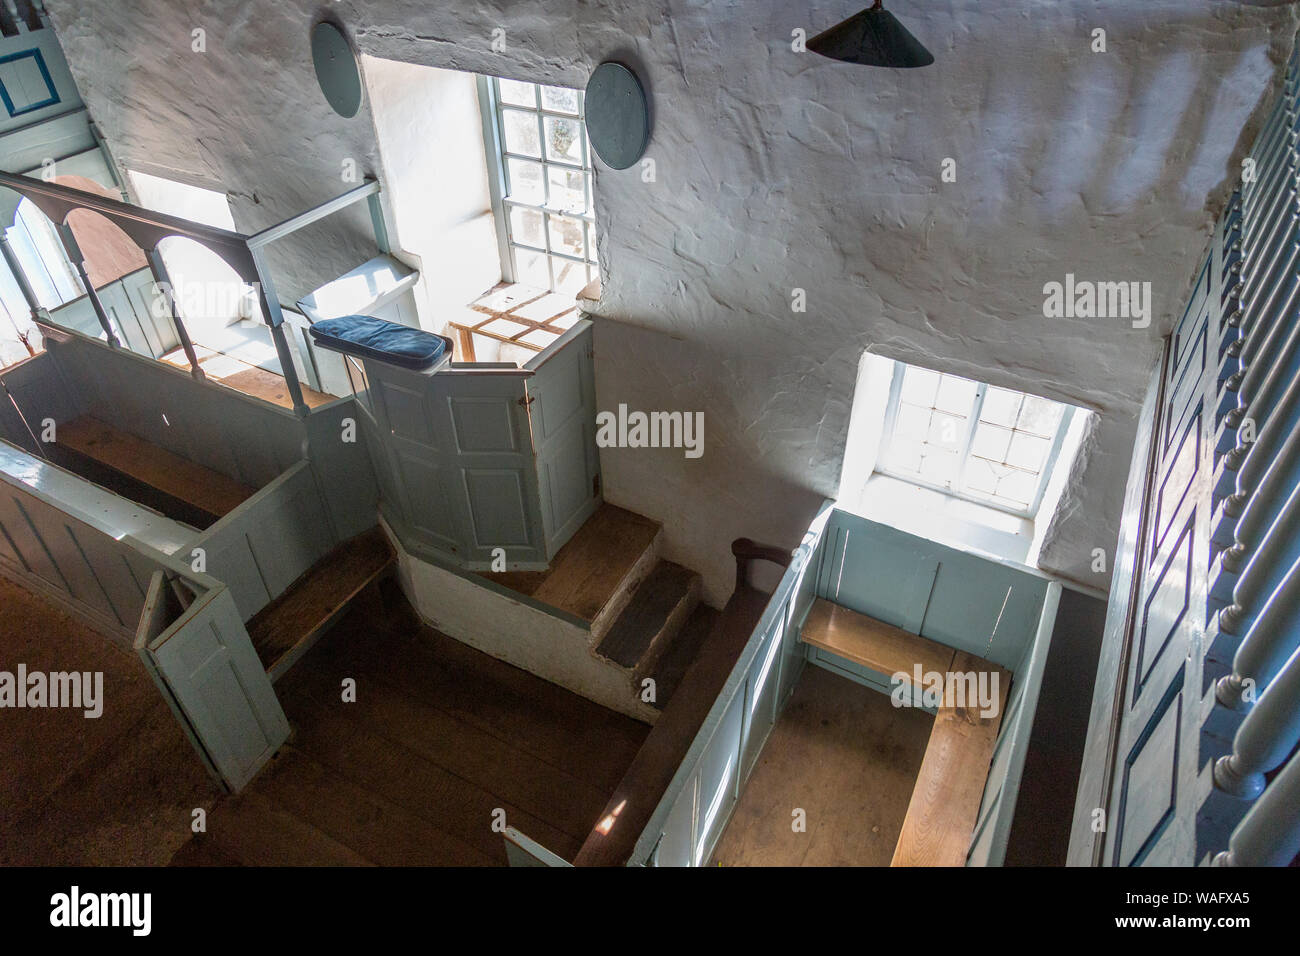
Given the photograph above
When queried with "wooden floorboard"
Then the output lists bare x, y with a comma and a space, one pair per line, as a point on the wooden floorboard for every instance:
515, 775
439, 738
564, 730
318, 595
587, 572
249, 379
115, 790
844, 755
192, 484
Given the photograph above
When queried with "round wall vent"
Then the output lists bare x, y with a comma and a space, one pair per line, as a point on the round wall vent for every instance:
336, 69
618, 117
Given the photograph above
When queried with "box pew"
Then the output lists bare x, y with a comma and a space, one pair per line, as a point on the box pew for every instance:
888, 601
268, 494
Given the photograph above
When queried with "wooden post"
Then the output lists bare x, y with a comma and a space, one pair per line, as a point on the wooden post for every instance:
1265, 738
165, 287
275, 321
79, 263
1269, 834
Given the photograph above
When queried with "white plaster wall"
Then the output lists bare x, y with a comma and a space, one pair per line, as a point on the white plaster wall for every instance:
553, 649
778, 170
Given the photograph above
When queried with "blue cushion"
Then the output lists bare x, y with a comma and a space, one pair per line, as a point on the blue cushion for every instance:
381, 340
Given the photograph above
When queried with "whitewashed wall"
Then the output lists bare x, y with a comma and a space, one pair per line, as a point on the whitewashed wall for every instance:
776, 170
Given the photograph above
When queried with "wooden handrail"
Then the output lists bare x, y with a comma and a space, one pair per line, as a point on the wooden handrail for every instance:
746, 550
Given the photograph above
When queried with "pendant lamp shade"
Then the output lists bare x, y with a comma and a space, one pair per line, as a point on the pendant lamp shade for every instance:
873, 37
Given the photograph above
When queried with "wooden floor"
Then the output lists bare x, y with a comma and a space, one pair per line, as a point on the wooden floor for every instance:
115, 790
588, 570
243, 377
847, 757
439, 738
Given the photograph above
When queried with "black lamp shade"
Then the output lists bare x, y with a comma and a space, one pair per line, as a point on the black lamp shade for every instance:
873, 37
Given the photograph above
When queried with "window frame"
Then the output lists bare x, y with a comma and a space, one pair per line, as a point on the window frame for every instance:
964, 450
498, 156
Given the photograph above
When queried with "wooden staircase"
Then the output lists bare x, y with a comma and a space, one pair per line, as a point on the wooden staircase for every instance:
643, 613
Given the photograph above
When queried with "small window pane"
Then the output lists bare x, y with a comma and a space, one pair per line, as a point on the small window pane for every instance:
991, 442
521, 133
981, 477
568, 189
566, 235
939, 467
956, 395
516, 93
920, 386
530, 269
1028, 451
1039, 416
526, 227
947, 431
570, 277
592, 245
559, 99
913, 422
905, 455
563, 140
526, 181
1018, 487
1001, 407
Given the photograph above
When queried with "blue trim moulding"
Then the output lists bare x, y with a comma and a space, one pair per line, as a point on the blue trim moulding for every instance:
45, 75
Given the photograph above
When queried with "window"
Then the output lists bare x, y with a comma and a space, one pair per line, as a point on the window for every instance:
987, 444
544, 210
42, 257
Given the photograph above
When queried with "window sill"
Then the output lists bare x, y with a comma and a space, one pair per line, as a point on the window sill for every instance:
942, 518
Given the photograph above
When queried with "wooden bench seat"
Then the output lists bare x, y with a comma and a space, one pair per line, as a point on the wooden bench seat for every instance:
945, 801
286, 628
874, 644
193, 485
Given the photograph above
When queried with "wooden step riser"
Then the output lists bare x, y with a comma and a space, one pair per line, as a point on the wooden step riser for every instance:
622, 597
672, 627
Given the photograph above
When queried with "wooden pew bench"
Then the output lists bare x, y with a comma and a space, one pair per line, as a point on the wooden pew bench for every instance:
144, 471
945, 801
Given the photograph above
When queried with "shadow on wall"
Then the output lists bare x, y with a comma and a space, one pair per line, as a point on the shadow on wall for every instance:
735, 487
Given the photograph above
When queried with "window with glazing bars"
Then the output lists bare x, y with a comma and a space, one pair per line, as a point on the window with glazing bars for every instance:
987, 444
543, 179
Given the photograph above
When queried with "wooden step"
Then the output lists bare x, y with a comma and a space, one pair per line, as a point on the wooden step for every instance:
945, 804
193, 486
286, 628
681, 653
652, 618
634, 801
874, 644
592, 577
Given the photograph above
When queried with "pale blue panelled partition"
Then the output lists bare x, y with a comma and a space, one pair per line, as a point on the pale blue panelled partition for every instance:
473, 457
1003, 612
100, 559
315, 487
1197, 700
129, 303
